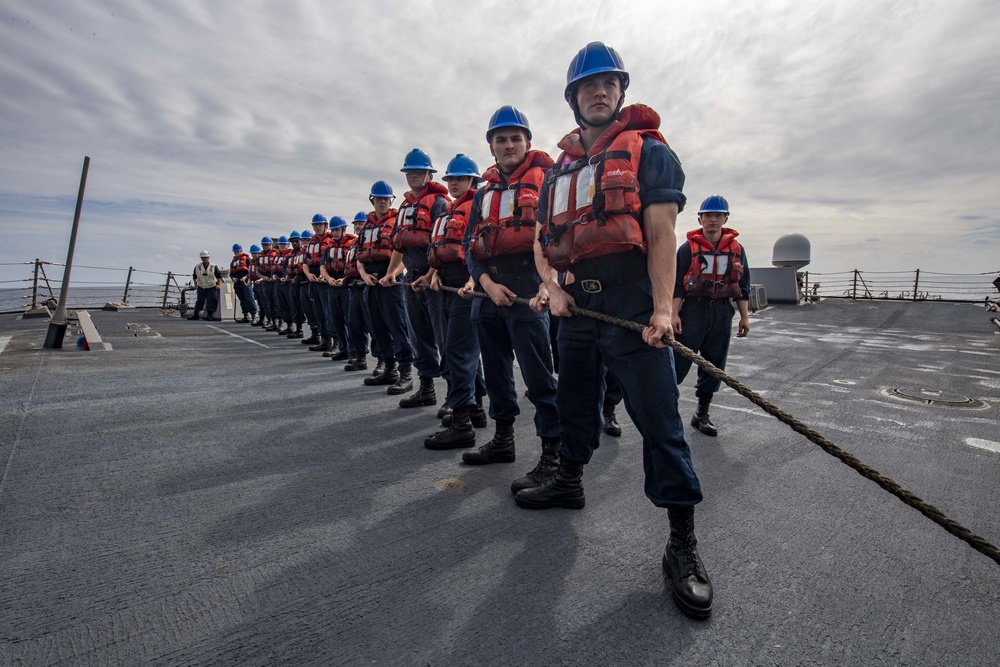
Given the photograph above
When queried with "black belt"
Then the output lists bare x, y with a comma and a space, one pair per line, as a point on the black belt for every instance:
522, 262
608, 279
702, 301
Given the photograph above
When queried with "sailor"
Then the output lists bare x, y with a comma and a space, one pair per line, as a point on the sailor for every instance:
608, 211
446, 257
331, 272
501, 256
293, 276
319, 290
270, 265
423, 203
255, 283
281, 286
261, 275
239, 271
712, 272
358, 324
305, 303
207, 278
385, 304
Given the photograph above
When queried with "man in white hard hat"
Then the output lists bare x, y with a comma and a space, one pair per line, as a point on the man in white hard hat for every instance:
207, 279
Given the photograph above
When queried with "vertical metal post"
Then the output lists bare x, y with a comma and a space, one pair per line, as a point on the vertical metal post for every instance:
128, 281
166, 288
805, 288
916, 284
854, 294
34, 285
58, 323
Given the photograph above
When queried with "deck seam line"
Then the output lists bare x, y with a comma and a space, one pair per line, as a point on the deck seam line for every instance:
17, 434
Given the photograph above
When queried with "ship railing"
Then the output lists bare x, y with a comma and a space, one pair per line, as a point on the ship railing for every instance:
917, 285
92, 287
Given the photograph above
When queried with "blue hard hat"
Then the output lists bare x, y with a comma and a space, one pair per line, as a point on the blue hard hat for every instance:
595, 58
381, 189
255, 248
237, 247
715, 204
360, 216
266, 241
306, 234
417, 160
282, 240
462, 165
507, 116
336, 222
294, 235
319, 219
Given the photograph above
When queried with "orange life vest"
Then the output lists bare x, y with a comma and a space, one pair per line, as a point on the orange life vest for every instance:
376, 238
269, 264
315, 248
413, 221
508, 208
715, 271
336, 254
240, 265
283, 262
449, 230
594, 207
351, 262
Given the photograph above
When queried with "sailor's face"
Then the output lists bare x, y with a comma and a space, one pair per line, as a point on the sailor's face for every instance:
458, 185
338, 233
712, 223
417, 178
597, 98
509, 146
381, 205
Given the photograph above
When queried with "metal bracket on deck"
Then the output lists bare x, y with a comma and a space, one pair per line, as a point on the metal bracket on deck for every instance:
90, 333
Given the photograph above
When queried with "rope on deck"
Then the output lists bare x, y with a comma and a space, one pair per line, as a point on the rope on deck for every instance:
977, 542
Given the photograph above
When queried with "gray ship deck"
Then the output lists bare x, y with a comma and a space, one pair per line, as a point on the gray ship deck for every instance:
193, 497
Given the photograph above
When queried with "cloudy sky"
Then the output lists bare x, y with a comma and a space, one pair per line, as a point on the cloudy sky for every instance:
871, 126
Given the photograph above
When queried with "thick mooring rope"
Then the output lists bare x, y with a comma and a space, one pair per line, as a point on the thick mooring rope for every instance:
977, 542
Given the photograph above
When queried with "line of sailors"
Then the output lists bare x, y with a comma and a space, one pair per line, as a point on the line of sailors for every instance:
593, 228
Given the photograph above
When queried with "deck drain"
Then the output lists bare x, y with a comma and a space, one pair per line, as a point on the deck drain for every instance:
934, 397
449, 484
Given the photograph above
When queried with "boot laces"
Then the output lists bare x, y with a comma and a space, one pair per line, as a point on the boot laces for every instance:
686, 553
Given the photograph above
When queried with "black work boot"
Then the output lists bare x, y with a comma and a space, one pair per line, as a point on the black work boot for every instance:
297, 333
545, 470
445, 409
700, 420
338, 356
194, 316
611, 426
403, 384
389, 376
424, 395
477, 414
325, 345
563, 490
379, 367
688, 580
312, 340
460, 434
358, 364
285, 330
246, 319
498, 450
273, 326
